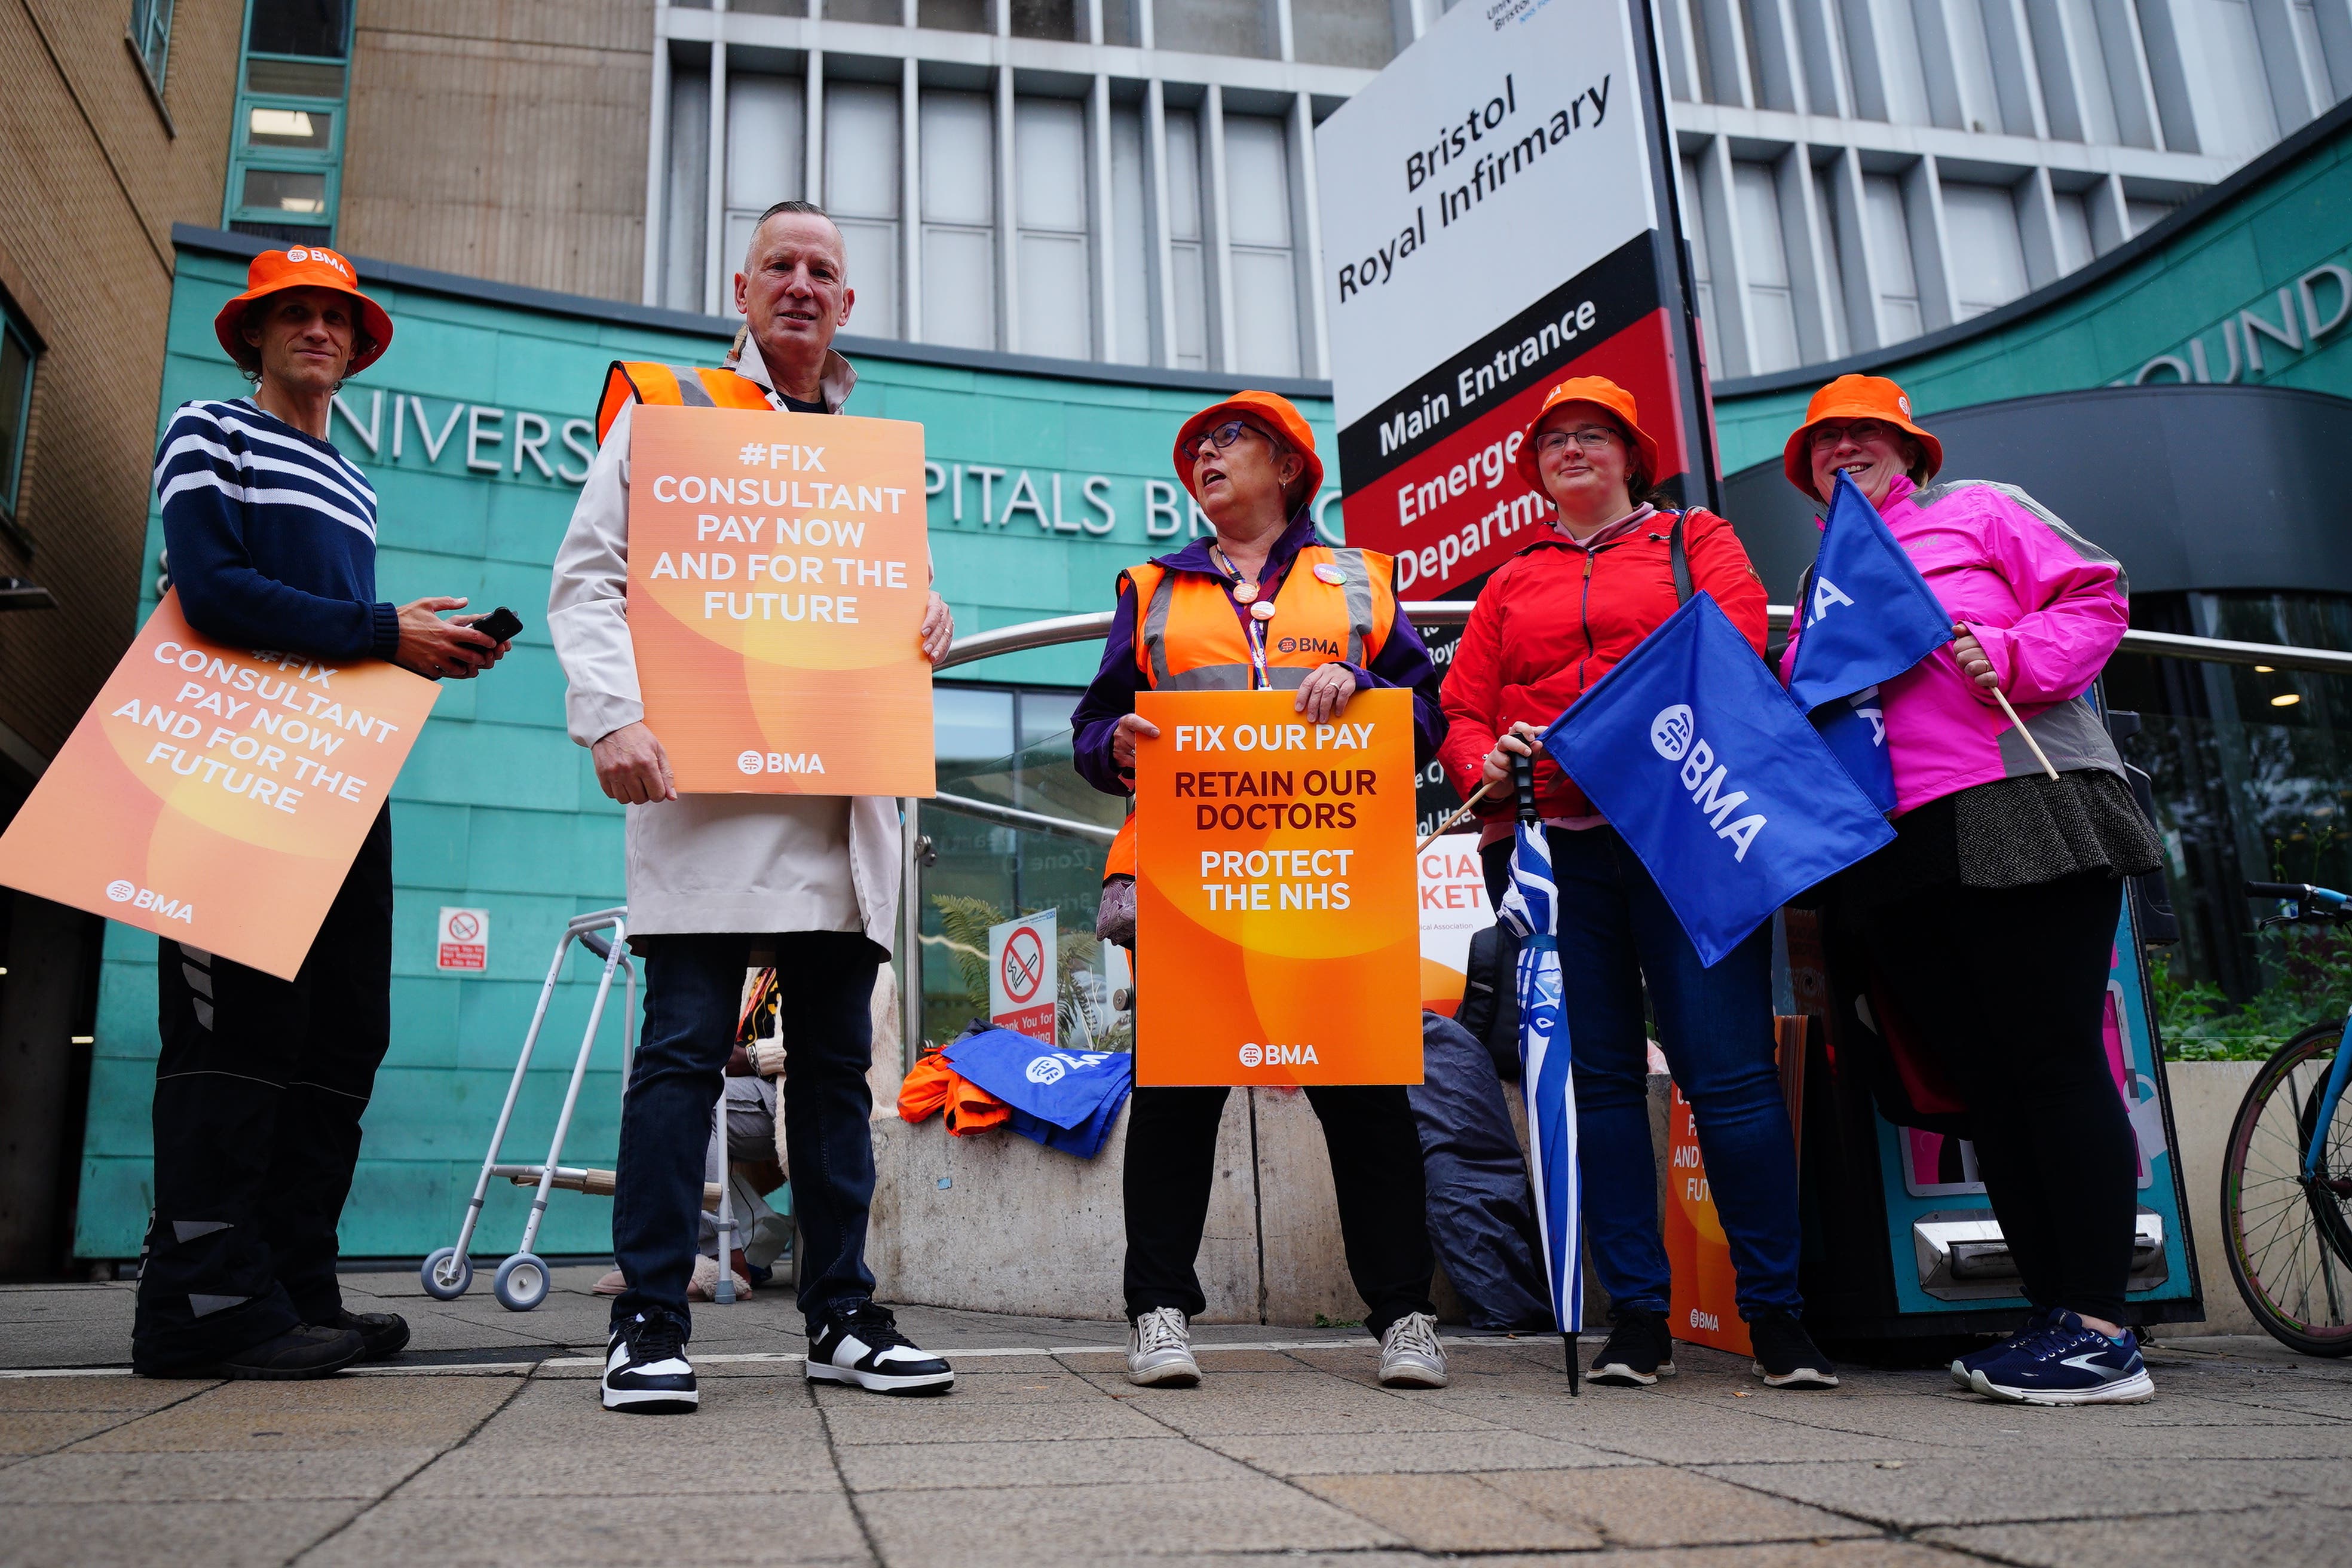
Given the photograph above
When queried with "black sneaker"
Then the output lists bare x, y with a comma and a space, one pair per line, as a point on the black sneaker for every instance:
645, 1369
861, 1343
384, 1335
1786, 1356
1640, 1351
304, 1351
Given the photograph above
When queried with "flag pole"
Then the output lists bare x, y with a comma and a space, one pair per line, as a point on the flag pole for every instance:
2039, 754
1440, 830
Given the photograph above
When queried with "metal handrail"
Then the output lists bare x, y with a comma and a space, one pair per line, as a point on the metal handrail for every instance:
1014, 816
1094, 624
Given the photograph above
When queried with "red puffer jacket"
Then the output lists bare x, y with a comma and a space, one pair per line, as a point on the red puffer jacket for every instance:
1555, 618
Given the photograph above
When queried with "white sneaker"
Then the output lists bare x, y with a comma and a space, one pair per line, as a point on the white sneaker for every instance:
645, 1369
1411, 1356
1160, 1351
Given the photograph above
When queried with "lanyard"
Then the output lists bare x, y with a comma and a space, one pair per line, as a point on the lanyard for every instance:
1253, 628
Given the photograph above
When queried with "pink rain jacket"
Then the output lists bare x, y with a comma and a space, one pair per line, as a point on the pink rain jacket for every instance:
2049, 607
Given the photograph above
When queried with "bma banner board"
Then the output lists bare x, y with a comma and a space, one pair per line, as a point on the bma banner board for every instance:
1496, 217
778, 572
216, 795
1024, 985
1276, 940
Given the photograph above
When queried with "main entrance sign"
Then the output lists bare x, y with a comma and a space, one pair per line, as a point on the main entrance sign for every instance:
778, 571
1276, 935
1497, 214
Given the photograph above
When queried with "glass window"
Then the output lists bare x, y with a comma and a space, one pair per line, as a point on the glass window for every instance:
2075, 247
861, 192
1049, 19
1344, 32
2228, 84
1130, 193
286, 190
959, 176
294, 79
685, 212
955, 16
1121, 24
17, 360
885, 13
1694, 220
296, 129
151, 34
1049, 142
766, 122
1215, 27
1266, 280
1888, 233
971, 727
1771, 307
1187, 258
1988, 254
317, 27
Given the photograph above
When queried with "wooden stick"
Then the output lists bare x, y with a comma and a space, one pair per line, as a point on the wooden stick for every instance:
2039, 754
1439, 831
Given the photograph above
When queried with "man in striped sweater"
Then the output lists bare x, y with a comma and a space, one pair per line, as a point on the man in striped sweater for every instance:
270, 537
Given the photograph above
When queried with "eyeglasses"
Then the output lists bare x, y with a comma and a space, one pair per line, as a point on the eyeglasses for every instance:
1221, 436
1592, 437
1857, 430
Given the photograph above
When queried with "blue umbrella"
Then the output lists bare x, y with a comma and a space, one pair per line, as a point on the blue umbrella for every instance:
1530, 911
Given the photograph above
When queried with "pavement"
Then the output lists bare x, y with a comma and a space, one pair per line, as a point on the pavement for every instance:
485, 1444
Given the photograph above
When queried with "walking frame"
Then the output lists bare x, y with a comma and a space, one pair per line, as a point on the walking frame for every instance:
522, 1281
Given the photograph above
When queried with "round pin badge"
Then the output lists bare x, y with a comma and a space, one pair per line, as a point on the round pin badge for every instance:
1326, 572
1245, 592
1262, 610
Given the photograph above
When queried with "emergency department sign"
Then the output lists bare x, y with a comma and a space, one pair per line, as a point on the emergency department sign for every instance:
1276, 935
778, 572
217, 795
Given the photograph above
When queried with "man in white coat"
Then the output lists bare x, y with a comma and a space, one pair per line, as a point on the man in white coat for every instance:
714, 878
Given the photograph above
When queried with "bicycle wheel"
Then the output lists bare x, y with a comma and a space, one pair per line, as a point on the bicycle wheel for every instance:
2290, 1241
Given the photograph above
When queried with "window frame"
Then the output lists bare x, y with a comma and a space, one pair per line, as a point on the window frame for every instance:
245, 158
13, 326
149, 33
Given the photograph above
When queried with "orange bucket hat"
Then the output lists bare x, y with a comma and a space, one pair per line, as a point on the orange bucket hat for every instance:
303, 267
1268, 408
1607, 394
1853, 397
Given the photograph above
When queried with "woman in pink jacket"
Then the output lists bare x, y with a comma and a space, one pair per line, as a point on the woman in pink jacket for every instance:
1992, 918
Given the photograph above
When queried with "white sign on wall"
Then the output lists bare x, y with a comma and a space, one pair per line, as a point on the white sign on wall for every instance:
1024, 979
463, 944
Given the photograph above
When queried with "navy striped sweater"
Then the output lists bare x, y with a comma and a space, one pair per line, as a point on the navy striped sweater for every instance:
271, 535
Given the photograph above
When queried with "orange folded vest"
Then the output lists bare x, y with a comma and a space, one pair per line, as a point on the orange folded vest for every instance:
932, 1084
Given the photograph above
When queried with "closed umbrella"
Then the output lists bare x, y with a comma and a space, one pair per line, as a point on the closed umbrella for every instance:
1531, 912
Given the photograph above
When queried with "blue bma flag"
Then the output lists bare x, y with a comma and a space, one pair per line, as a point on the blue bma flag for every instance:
1869, 615
1710, 772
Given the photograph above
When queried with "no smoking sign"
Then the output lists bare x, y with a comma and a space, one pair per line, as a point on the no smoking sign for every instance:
465, 941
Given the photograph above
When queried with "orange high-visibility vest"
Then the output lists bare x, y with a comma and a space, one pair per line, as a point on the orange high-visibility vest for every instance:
642, 381
1187, 637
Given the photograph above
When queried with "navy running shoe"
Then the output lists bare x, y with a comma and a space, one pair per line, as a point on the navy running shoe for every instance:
1988, 1354
2067, 1362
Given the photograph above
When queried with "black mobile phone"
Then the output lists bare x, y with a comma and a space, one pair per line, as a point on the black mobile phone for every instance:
501, 624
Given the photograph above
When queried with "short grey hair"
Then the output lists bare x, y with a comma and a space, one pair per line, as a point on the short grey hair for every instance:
796, 206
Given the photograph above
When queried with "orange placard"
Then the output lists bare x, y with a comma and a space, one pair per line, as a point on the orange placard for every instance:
1276, 935
778, 571
215, 796
1703, 1303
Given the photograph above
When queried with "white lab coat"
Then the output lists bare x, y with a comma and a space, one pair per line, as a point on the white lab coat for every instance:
748, 863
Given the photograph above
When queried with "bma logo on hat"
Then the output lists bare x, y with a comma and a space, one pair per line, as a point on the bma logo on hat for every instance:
298, 254
1672, 729
1045, 1069
1904, 402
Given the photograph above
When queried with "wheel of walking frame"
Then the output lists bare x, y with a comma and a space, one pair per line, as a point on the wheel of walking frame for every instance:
445, 1274
2290, 1241
521, 1283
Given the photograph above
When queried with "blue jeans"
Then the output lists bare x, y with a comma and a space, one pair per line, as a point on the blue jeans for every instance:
694, 987
1616, 933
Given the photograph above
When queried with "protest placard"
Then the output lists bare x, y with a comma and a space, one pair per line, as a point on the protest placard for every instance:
1275, 937
216, 795
777, 572
1454, 909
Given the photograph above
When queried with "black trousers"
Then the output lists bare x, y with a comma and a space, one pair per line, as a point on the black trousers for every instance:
1171, 1150
259, 1089
694, 986
2009, 987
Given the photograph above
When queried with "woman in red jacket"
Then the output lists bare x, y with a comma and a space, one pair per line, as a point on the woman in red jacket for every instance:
1552, 620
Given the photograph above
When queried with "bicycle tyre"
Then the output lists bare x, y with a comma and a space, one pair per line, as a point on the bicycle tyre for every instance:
2260, 1210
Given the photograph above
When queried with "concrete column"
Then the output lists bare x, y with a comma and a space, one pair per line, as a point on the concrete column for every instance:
715, 270
910, 196
657, 157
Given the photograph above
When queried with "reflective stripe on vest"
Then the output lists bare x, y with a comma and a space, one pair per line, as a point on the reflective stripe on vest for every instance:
642, 381
1188, 638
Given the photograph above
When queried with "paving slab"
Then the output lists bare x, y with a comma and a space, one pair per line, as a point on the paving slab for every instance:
1994, 1488
2281, 1533
125, 1534
1453, 1513
90, 1476
591, 1532
1041, 1523
1406, 1453
933, 1467
1651, 1505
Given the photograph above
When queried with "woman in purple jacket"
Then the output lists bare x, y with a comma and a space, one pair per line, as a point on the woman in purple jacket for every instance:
1992, 918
